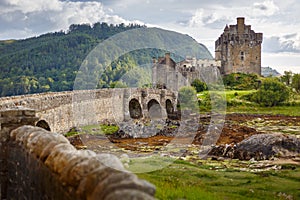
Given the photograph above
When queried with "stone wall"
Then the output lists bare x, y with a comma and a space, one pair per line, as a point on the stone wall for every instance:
239, 49
63, 110
38, 164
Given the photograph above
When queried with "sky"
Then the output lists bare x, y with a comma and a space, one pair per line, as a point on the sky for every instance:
204, 20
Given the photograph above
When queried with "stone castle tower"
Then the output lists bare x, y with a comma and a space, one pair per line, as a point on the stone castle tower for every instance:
239, 49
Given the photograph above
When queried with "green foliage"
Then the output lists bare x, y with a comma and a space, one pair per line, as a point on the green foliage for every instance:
109, 129
271, 93
118, 84
296, 82
211, 101
240, 81
94, 130
51, 61
241, 101
199, 85
187, 98
287, 77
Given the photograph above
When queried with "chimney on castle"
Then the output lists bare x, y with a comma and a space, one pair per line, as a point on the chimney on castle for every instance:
240, 25
168, 59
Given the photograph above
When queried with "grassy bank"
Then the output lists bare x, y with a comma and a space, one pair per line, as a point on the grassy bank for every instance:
235, 103
183, 180
94, 130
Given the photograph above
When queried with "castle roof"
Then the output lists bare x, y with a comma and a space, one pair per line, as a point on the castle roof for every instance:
164, 61
226, 28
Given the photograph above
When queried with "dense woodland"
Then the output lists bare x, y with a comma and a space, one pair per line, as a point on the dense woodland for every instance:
50, 62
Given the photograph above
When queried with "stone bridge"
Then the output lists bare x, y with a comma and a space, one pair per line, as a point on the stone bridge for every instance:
60, 111
39, 164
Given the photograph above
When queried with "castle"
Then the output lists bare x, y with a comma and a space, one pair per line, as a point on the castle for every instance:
166, 73
238, 49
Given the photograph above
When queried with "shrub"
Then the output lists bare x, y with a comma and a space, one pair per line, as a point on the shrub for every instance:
271, 93
240, 81
188, 98
296, 82
199, 85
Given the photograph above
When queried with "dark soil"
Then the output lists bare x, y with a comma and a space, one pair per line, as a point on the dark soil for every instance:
232, 133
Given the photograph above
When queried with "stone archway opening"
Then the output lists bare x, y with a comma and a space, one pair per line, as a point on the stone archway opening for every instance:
169, 108
43, 124
154, 109
135, 109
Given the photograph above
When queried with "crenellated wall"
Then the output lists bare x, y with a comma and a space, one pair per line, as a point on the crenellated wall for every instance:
38, 164
63, 110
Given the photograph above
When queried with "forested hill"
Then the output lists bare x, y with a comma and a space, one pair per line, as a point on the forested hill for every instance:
51, 61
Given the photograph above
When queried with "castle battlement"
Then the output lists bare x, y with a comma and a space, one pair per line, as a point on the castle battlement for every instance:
239, 49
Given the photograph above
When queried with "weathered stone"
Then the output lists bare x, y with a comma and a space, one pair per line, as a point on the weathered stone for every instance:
80, 107
48, 149
101, 190
57, 160
73, 174
128, 194
29, 112
119, 181
270, 145
19, 132
111, 161
90, 181
239, 49
260, 147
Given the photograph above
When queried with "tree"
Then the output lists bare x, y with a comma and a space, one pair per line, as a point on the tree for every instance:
287, 77
188, 98
241, 81
199, 85
118, 84
271, 93
296, 82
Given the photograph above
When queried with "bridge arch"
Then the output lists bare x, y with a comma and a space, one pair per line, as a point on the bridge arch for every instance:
169, 108
154, 109
43, 124
135, 109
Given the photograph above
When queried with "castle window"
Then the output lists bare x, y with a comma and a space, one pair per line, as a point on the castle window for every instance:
242, 55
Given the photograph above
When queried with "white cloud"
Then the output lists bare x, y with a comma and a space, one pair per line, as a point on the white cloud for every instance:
283, 43
282, 62
266, 8
27, 6
25, 18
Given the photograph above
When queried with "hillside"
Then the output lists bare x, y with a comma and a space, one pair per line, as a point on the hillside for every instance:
50, 62
268, 71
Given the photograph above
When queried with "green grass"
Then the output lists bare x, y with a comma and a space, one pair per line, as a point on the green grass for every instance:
95, 130
236, 104
181, 180
276, 110
109, 129
234, 94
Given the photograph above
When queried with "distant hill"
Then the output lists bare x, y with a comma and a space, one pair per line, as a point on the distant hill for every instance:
268, 71
50, 62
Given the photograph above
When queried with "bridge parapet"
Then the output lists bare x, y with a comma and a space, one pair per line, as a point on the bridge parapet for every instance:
63, 110
38, 164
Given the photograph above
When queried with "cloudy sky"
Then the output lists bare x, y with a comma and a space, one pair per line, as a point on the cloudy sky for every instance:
204, 20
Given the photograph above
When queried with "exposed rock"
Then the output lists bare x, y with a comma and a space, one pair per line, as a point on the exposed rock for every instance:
143, 129
77, 142
260, 147
271, 145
